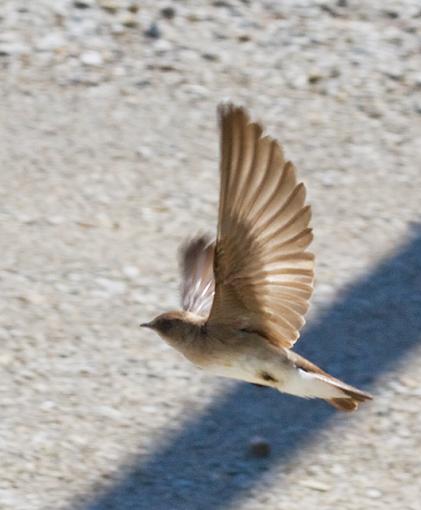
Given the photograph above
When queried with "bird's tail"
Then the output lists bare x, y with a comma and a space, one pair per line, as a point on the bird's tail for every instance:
352, 397
322, 385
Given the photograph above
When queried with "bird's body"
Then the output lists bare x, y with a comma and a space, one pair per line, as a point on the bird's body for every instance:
226, 351
245, 296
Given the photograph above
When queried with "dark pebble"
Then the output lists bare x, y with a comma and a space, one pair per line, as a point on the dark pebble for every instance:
153, 31
168, 12
259, 448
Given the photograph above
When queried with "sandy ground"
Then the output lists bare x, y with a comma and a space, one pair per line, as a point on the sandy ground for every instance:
108, 160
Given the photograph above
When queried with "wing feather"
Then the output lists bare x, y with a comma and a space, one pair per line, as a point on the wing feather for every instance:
263, 273
198, 284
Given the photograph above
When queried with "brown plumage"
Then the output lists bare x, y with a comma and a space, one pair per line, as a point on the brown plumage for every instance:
245, 296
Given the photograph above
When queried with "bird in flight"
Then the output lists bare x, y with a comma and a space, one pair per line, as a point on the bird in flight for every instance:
244, 296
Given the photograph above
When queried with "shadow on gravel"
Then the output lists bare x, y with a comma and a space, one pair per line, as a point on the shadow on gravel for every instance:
205, 465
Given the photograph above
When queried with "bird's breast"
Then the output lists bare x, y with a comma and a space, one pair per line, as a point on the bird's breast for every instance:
253, 363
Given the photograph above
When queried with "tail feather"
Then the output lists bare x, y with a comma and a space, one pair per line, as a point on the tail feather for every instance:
352, 399
343, 404
344, 397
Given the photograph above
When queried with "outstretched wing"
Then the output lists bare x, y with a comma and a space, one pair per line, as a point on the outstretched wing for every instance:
263, 273
198, 284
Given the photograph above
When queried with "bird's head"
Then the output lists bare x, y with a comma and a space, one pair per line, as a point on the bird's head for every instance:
169, 325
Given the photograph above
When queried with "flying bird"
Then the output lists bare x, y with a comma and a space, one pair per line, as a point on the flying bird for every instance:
244, 295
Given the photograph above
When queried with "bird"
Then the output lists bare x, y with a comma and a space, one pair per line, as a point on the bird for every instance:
244, 295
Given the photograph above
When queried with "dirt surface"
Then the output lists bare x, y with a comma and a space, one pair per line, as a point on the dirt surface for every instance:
108, 160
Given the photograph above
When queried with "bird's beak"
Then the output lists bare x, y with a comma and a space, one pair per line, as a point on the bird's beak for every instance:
146, 325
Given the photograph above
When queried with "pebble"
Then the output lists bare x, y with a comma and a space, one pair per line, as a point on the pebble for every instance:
133, 7
153, 31
56, 220
83, 4
212, 57
131, 272
162, 46
374, 493
144, 152
259, 447
168, 12
91, 58
112, 6
129, 21
315, 485
47, 405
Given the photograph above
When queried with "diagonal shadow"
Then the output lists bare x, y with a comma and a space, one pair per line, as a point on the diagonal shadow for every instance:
366, 331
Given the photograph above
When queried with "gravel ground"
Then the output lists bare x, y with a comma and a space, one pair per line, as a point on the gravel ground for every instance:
108, 160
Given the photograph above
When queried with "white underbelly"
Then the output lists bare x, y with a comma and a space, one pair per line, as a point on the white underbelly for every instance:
251, 370
276, 374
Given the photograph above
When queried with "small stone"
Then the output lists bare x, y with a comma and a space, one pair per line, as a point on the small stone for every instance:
56, 220
391, 14
133, 7
141, 84
47, 405
259, 447
153, 31
91, 58
315, 485
110, 6
314, 77
83, 4
243, 38
144, 152
211, 57
168, 12
130, 272
374, 493
328, 178
298, 81
129, 21
162, 46
221, 3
